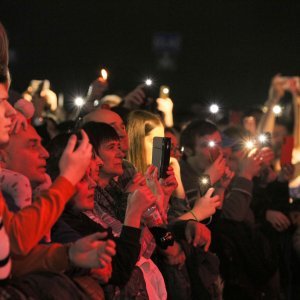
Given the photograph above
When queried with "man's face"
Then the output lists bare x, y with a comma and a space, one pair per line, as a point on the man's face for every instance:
7, 113
26, 155
202, 156
114, 120
112, 156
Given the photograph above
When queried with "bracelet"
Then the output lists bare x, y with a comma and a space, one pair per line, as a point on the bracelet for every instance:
192, 213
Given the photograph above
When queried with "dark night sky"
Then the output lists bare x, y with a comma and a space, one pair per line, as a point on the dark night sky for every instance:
230, 49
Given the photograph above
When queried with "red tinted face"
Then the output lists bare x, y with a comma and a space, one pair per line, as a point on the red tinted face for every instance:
84, 198
7, 112
202, 156
26, 155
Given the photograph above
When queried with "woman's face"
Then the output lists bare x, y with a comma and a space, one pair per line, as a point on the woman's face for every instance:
112, 157
157, 131
84, 198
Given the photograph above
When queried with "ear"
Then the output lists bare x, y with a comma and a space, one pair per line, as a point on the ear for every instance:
188, 151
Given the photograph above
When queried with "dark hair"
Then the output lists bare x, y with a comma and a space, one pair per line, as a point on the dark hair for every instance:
196, 128
3, 55
56, 148
100, 133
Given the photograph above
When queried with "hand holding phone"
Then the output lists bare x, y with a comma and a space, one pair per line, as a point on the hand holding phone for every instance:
161, 155
204, 184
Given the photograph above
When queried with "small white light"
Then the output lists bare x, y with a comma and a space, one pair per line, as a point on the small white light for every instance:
104, 74
214, 108
165, 90
79, 101
211, 144
249, 144
277, 110
262, 138
291, 200
204, 181
96, 103
148, 82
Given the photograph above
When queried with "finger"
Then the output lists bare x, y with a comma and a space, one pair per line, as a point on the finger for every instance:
207, 245
197, 237
107, 258
96, 237
84, 141
209, 192
71, 144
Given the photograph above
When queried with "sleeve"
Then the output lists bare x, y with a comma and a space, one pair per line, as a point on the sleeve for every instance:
5, 262
236, 205
128, 250
27, 227
51, 258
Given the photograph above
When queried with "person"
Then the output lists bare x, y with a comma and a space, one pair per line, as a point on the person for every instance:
77, 215
111, 118
143, 126
28, 226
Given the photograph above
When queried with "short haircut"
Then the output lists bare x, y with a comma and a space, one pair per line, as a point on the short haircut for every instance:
197, 128
100, 133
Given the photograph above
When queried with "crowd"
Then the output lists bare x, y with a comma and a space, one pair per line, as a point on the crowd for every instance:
84, 213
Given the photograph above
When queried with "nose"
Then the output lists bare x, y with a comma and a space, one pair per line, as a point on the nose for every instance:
10, 112
44, 153
91, 182
99, 161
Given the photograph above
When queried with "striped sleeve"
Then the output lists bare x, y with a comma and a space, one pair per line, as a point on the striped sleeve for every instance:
5, 262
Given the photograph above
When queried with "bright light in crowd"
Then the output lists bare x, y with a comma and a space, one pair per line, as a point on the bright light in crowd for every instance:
277, 110
214, 108
165, 90
104, 74
262, 138
148, 82
249, 144
96, 102
204, 181
211, 144
79, 101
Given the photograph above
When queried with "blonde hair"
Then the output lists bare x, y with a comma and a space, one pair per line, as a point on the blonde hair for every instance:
139, 125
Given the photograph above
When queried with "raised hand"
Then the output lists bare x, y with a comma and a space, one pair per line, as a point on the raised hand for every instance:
74, 162
206, 206
135, 98
216, 170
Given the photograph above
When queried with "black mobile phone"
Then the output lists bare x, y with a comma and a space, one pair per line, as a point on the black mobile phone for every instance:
161, 155
204, 184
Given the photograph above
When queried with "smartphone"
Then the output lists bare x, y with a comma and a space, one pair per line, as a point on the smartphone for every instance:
164, 91
161, 155
204, 184
287, 151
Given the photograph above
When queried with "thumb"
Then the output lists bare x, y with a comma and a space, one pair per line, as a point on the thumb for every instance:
209, 192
